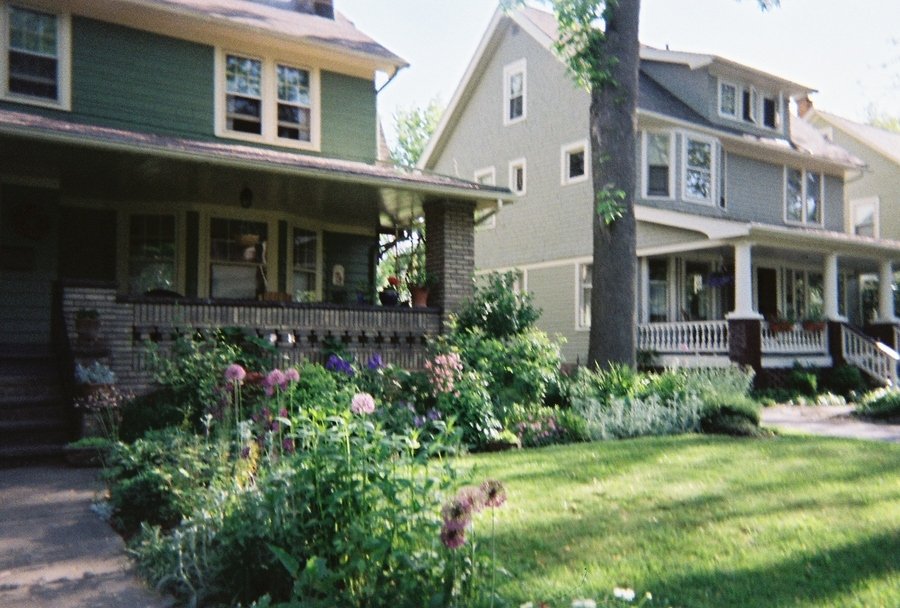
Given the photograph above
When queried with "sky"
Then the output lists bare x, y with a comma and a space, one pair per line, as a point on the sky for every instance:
848, 50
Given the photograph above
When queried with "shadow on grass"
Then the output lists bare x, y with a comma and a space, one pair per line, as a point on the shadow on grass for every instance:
819, 578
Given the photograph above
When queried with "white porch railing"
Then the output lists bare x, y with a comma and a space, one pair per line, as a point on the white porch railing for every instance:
874, 358
685, 337
795, 341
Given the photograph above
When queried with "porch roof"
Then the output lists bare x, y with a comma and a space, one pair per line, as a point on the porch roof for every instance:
402, 192
719, 231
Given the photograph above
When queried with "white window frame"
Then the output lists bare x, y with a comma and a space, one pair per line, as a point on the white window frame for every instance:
513, 165
292, 263
804, 221
510, 70
479, 174
857, 203
566, 151
713, 169
645, 166
580, 304
63, 58
737, 99
269, 106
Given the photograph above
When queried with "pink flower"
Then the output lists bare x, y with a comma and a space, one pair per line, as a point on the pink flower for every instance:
274, 378
494, 494
292, 375
473, 498
363, 403
453, 538
235, 373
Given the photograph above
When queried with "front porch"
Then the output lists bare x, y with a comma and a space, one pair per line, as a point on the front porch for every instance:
769, 297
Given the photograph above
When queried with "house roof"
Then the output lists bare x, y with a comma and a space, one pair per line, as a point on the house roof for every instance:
653, 98
383, 176
885, 142
338, 34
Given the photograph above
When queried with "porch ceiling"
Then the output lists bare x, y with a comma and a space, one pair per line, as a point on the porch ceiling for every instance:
102, 162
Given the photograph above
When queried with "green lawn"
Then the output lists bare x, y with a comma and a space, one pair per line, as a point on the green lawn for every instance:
701, 521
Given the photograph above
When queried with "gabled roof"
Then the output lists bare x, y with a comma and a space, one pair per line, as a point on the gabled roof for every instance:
338, 34
884, 142
653, 98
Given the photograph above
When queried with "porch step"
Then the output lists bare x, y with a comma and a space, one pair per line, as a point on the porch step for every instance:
17, 456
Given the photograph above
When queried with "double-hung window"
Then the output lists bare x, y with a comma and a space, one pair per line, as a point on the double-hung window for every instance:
585, 286
699, 170
35, 60
151, 253
517, 176
306, 266
574, 162
803, 194
864, 217
514, 91
657, 164
268, 101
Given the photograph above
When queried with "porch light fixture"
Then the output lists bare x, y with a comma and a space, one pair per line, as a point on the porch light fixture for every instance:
246, 197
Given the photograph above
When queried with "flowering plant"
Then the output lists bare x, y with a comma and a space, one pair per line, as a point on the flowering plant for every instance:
393, 282
95, 373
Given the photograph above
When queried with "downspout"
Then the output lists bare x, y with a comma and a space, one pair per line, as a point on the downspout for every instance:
390, 79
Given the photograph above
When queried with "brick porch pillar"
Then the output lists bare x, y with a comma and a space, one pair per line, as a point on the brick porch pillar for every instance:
745, 342
744, 323
450, 252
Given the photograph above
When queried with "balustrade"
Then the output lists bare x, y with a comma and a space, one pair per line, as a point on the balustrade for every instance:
701, 337
796, 340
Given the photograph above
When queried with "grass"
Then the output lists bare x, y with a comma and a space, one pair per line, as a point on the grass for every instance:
701, 521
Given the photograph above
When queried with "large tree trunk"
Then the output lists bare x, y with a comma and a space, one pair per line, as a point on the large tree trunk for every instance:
613, 136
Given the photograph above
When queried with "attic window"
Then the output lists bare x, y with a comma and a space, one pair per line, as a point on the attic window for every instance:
34, 56
751, 105
514, 90
243, 78
770, 112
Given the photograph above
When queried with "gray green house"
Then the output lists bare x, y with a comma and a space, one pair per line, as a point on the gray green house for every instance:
180, 165
740, 205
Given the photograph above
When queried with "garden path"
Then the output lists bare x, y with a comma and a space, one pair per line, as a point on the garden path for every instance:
56, 552
829, 420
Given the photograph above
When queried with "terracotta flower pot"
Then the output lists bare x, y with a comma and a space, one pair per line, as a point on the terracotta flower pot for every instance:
419, 296
813, 325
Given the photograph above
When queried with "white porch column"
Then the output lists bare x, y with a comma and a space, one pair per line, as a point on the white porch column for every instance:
831, 305
886, 293
743, 283
644, 278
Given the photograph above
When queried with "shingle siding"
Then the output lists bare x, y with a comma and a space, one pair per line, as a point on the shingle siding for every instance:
348, 117
555, 293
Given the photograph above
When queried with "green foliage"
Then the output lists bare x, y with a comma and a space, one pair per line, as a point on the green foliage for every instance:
845, 380
537, 425
731, 415
803, 381
881, 403
414, 128
155, 410
610, 204
498, 309
603, 385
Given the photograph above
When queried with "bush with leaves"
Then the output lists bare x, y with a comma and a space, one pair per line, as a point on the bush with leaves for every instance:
497, 308
883, 403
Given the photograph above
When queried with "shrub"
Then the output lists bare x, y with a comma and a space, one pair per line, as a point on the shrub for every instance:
497, 308
844, 380
803, 381
156, 410
731, 415
881, 403
623, 417
619, 381
537, 426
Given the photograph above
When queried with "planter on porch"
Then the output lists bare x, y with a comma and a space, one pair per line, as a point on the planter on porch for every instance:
813, 325
781, 327
419, 294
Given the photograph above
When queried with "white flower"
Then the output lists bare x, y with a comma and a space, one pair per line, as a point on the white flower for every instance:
527, 605
584, 604
648, 596
626, 594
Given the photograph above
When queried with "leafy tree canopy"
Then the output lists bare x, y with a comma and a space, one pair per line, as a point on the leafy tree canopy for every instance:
414, 128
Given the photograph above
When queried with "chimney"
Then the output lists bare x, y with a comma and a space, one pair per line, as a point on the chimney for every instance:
804, 105
324, 8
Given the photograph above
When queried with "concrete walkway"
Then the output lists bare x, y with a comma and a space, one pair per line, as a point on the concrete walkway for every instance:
57, 553
830, 420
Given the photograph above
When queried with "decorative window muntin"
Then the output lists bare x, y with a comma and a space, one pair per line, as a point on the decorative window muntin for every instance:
699, 169
244, 94
151, 253
294, 103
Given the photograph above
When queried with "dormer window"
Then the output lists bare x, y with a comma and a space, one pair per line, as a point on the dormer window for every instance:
748, 104
35, 56
514, 90
267, 101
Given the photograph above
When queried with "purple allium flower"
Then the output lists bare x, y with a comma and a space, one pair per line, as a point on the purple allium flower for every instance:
419, 421
292, 375
375, 362
363, 403
245, 452
275, 378
453, 538
474, 498
456, 513
235, 373
433, 414
288, 445
283, 412
494, 493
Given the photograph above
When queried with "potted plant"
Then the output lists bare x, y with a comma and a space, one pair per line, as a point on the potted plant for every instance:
100, 409
87, 325
419, 283
814, 323
389, 296
777, 325
93, 377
